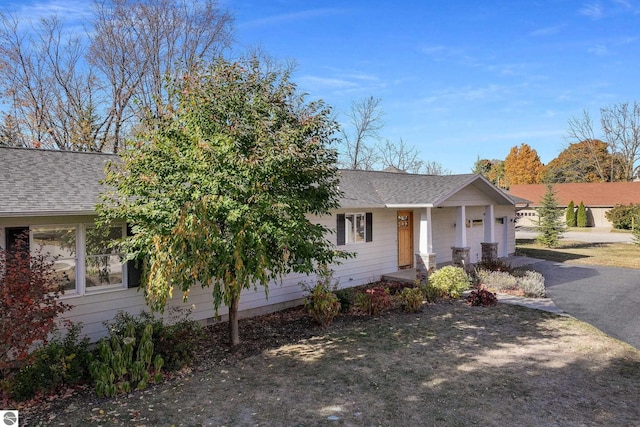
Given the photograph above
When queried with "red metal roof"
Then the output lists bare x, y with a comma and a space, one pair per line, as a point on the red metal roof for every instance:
593, 194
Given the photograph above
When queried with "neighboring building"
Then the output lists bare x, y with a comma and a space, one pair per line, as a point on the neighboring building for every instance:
390, 220
598, 198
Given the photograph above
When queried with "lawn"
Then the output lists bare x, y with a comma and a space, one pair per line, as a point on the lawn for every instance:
451, 365
624, 255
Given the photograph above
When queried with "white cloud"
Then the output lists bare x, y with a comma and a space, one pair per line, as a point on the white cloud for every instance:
291, 17
592, 10
599, 50
546, 31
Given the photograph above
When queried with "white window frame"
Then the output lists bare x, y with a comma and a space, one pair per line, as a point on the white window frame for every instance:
80, 259
350, 228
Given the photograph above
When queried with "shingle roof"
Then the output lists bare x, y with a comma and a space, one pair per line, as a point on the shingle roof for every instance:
42, 182
379, 189
594, 194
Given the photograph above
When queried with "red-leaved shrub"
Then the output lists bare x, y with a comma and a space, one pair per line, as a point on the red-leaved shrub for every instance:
29, 304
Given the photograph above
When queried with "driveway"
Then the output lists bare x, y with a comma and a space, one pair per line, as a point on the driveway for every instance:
596, 235
605, 297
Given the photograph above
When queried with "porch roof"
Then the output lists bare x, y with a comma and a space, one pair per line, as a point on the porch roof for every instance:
391, 189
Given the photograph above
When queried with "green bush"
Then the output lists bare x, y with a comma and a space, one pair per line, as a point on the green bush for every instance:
64, 361
621, 216
411, 299
450, 281
322, 304
347, 298
581, 216
570, 215
175, 342
123, 362
374, 301
321, 301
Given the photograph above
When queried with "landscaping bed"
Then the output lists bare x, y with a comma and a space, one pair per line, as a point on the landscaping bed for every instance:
451, 364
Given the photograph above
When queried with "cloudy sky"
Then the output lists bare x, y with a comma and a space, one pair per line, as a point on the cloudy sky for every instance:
458, 79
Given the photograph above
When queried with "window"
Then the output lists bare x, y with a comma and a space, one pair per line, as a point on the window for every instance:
354, 228
103, 265
83, 258
59, 242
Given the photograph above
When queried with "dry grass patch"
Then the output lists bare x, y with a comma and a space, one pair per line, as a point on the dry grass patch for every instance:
449, 365
623, 255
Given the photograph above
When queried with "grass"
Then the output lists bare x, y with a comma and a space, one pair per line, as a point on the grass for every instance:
623, 255
450, 365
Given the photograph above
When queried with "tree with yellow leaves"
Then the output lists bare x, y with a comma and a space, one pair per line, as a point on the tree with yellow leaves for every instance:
523, 166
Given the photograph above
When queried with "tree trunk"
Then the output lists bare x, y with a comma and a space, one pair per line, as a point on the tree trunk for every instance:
234, 335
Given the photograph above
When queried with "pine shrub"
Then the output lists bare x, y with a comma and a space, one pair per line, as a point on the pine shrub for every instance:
581, 216
570, 215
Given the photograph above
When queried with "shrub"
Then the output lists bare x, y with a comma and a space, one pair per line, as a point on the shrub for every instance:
124, 363
411, 299
347, 298
29, 303
581, 216
450, 281
497, 280
570, 215
176, 343
374, 301
494, 265
64, 361
621, 216
532, 284
482, 297
321, 302
430, 292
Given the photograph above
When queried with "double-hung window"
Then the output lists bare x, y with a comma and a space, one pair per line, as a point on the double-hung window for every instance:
103, 267
354, 228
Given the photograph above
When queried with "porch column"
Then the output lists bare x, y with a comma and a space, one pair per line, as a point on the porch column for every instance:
425, 258
460, 251
489, 246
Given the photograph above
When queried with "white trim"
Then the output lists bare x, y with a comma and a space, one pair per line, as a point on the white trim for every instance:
409, 206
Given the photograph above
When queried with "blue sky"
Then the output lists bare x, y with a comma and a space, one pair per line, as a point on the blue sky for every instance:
457, 79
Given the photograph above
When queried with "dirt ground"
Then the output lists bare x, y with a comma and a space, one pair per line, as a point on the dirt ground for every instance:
451, 364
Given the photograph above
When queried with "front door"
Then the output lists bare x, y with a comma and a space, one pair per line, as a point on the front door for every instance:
405, 239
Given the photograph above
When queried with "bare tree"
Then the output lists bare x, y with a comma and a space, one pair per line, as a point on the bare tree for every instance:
400, 156
432, 167
88, 91
581, 131
621, 128
364, 122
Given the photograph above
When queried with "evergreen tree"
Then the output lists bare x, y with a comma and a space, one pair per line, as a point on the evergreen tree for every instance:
550, 219
582, 215
571, 215
636, 230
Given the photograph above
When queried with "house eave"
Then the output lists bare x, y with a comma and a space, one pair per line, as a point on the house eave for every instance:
46, 213
409, 205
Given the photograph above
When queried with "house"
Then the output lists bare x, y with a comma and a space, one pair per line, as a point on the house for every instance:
598, 198
391, 221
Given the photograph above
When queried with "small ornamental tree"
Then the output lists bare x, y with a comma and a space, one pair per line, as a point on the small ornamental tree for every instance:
29, 303
550, 219
219, 193
570, 215
581, 216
